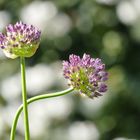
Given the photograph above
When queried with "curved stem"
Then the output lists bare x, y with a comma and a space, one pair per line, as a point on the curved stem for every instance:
24, 99
33, 99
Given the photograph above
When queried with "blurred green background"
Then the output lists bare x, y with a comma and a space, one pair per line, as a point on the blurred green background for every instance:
109, 29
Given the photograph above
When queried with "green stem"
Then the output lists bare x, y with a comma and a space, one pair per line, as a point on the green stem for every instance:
24, 99
33, 99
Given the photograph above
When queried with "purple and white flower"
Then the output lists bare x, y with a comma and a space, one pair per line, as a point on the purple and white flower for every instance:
86, 75
20, 39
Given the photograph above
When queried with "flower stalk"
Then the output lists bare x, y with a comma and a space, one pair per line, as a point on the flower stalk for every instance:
33, 99
24, 99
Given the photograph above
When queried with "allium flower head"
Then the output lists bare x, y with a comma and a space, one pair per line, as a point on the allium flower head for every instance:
20, 40
86, 74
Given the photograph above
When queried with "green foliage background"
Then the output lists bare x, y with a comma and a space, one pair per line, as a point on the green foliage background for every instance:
97, 28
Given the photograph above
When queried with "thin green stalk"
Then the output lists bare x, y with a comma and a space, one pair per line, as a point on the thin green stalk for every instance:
33, 99
24, 99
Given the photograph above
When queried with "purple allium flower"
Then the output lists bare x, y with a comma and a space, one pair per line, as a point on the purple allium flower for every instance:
86, 74
20, 40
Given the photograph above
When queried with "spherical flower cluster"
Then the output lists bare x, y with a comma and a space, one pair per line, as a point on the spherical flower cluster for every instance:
86, 75
20, 40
